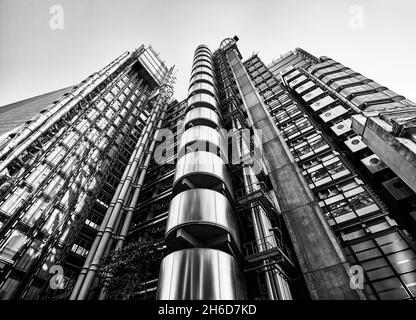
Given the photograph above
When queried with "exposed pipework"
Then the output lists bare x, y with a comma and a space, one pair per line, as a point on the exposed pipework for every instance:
276, 284
201, 180
99, 247
83, 151
36, 129
132, 203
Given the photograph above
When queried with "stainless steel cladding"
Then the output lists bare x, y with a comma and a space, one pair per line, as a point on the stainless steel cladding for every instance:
203, 87
202, 213
27, 136
202, 116
201, 77
201, 169
203, 100
204, 138
200, 274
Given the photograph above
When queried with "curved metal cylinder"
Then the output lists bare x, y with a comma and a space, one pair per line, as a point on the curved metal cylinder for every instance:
202, 100
202, 54
202, 116
199, 137
203, 46
202, 58
202, 63
203, 87
202, 213
200, 274
201, 169
203, 49
201, 77
204, 70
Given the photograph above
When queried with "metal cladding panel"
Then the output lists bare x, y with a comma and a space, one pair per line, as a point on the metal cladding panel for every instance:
305, 87
202, 63
203, 133
297, 81
202, 87
343, 82
151, 61
323, 72
398, 189
203, 100
360, 100
203, 213
333, 113
205, 169
355, 144
200, 274
201, 77
204, 70
333, 76
203, 49
313, 94
202, 54
356, 89
386, 106
202, 116
202, 58
373, 163
292, 74
322, 103
342, 127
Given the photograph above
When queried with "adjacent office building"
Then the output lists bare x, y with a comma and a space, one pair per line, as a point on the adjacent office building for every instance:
292, 180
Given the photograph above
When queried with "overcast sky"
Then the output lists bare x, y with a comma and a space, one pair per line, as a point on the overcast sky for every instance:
374, 37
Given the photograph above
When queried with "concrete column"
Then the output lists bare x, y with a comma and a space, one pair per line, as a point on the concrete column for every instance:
320, 256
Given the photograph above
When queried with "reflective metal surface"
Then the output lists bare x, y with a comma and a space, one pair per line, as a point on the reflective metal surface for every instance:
202, 77
202, 54
200, 274
202, 213
202, 170
203, 134
203, 49
202, 70
202, 116
202, 58
203, 87
202, 100
203, 46
202, 63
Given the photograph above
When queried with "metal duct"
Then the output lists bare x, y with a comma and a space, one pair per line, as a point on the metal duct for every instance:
203, 214
200, 274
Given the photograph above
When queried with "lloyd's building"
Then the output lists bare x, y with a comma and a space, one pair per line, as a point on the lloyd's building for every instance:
289, 180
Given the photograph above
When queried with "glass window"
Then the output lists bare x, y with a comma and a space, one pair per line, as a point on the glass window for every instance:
360, 200
13, 245
32, 293
337, 209
389, 289
8, 289
30, 255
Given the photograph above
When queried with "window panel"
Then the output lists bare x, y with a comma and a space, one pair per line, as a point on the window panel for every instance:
13, 245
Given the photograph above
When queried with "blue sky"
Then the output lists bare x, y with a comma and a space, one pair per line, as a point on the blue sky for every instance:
34, 58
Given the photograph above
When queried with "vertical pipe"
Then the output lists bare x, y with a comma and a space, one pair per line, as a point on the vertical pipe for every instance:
135, 197
124, 186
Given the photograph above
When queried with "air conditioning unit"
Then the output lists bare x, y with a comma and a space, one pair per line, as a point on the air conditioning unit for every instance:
342, 127
374, 164
398, 189
355, 144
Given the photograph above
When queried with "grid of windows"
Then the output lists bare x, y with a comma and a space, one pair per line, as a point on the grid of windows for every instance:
370, 238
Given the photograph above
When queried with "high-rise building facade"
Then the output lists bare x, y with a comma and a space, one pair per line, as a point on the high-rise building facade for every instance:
293, 180
59, 171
